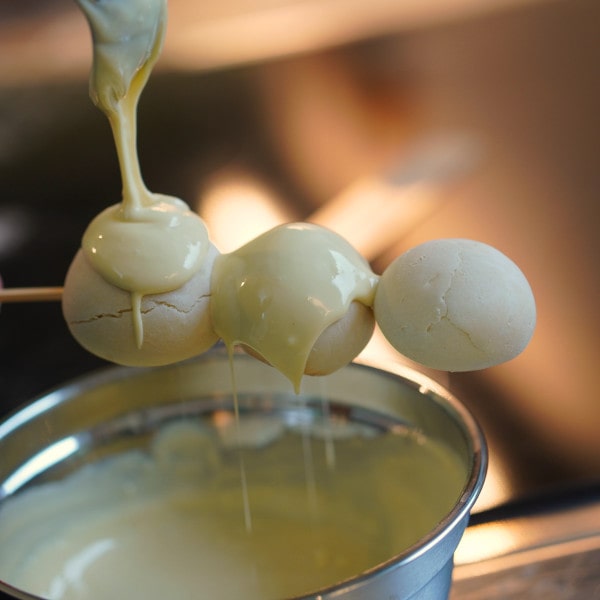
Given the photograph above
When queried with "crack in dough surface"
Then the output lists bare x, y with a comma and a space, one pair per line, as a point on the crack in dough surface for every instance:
455, 305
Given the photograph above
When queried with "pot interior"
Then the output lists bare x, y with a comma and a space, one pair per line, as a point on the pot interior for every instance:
167, 473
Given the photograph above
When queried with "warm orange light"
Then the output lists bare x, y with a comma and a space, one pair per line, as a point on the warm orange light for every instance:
488, 541
237, 207
54, 44
373, 215
211, 34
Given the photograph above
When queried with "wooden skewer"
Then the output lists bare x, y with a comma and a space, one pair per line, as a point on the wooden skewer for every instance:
31, 294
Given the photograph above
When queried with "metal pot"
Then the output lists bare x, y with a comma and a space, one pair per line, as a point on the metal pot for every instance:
119, 408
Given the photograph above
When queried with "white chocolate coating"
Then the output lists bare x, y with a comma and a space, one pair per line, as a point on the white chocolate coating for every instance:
100, 317
339, 344
277, 294
455, 305
156, 252
138, 291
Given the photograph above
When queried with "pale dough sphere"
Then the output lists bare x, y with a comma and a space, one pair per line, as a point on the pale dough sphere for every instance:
176, 325
455, 305
342, 341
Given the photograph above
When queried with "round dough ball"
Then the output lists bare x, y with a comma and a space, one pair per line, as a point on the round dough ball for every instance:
176, 325
455, 305
342, 341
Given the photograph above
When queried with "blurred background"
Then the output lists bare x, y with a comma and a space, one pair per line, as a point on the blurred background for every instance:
391, 122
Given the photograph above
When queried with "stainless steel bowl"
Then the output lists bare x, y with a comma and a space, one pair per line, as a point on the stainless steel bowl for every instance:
117, 409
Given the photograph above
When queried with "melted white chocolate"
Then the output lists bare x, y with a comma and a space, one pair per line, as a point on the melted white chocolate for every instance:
278, 293
128, 37
278, 296
299, 296
157, 252
149, 243
168, 523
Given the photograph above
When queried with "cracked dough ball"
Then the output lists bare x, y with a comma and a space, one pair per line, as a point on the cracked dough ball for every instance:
455, 305
176, 325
